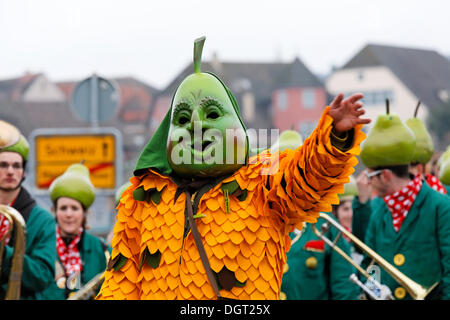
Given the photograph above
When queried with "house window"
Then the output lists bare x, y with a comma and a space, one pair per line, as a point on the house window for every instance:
248, 103
282, 99
360, 75
375, 97
308, 98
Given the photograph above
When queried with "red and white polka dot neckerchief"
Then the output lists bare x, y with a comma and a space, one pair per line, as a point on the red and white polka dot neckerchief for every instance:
435, 184
69, 255
401, 201
4, 226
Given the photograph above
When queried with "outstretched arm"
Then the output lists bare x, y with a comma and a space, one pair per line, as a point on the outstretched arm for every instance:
310, 177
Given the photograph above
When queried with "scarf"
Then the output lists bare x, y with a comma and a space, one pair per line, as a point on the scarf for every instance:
4, 227
435, 184
24, 203
69, 254
401, 201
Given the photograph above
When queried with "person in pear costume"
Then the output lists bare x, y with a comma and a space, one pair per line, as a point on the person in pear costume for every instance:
80, 255
409, 225
204, 218
38, 263
423, 153
313, 270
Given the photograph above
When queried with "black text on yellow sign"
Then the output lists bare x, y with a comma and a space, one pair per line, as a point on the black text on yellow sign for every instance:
54, 154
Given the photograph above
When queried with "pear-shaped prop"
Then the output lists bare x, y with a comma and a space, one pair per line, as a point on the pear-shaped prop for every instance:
74, 183
389, 142
424, 144
21, 147
288, 139
444, 157
444, 173
350, 190
444, 167
9, 134
120, 191
207, 136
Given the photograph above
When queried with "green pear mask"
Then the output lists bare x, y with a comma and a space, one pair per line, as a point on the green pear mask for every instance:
389, 142
202, 134
206, 137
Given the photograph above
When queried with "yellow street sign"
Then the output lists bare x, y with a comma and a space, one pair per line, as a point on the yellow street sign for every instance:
98, 148
55, 153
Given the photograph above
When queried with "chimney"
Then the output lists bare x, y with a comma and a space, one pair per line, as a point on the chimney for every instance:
216, 64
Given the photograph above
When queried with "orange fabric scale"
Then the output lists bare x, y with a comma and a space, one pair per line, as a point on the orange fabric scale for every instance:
245, 238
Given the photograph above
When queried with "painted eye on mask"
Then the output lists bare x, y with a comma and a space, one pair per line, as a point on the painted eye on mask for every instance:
213, 109
182, 114
183, 119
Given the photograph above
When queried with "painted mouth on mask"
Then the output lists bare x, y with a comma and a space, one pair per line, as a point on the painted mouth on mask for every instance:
204, 151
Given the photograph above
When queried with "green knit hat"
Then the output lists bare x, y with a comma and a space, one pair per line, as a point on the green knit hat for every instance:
74, 183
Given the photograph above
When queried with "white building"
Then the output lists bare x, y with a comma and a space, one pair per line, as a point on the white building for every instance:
402, 75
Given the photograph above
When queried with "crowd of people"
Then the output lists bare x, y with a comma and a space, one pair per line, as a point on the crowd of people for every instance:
213, 230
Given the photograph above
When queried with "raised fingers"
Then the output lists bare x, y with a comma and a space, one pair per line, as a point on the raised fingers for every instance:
337, 101
355, 97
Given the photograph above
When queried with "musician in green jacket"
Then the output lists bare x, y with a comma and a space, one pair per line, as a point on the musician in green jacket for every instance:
80, 255
409, 222
314, 271
38, 265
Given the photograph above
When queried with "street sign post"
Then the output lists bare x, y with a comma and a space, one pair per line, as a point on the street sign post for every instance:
54, 150
95, 99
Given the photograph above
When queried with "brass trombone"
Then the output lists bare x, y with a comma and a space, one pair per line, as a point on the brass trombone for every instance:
416, 291
17, 223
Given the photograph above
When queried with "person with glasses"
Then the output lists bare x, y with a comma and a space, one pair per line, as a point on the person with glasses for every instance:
38, 264
408, 224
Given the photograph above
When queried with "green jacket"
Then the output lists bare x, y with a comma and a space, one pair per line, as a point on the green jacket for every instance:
38, 265
329, 279
362, 212
421, 247
94, 259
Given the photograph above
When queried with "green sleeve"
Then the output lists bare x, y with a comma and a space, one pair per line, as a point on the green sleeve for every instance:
369, 240
361, 217
443, 233
341, 287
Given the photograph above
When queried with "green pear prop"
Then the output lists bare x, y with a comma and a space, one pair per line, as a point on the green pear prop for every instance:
74, 183
203, 101
288, 139
444, 157
388, 143
444, 173
444, 167
350, 190
424, 145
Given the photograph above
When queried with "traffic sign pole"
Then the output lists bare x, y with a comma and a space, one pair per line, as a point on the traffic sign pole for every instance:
94, 100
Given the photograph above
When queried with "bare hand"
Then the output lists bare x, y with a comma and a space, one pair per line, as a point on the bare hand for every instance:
364, 187
346, 113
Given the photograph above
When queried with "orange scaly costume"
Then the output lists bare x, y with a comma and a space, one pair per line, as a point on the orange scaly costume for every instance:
243, 218
250, 241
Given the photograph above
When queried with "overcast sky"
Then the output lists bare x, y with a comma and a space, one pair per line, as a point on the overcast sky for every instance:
153, 40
